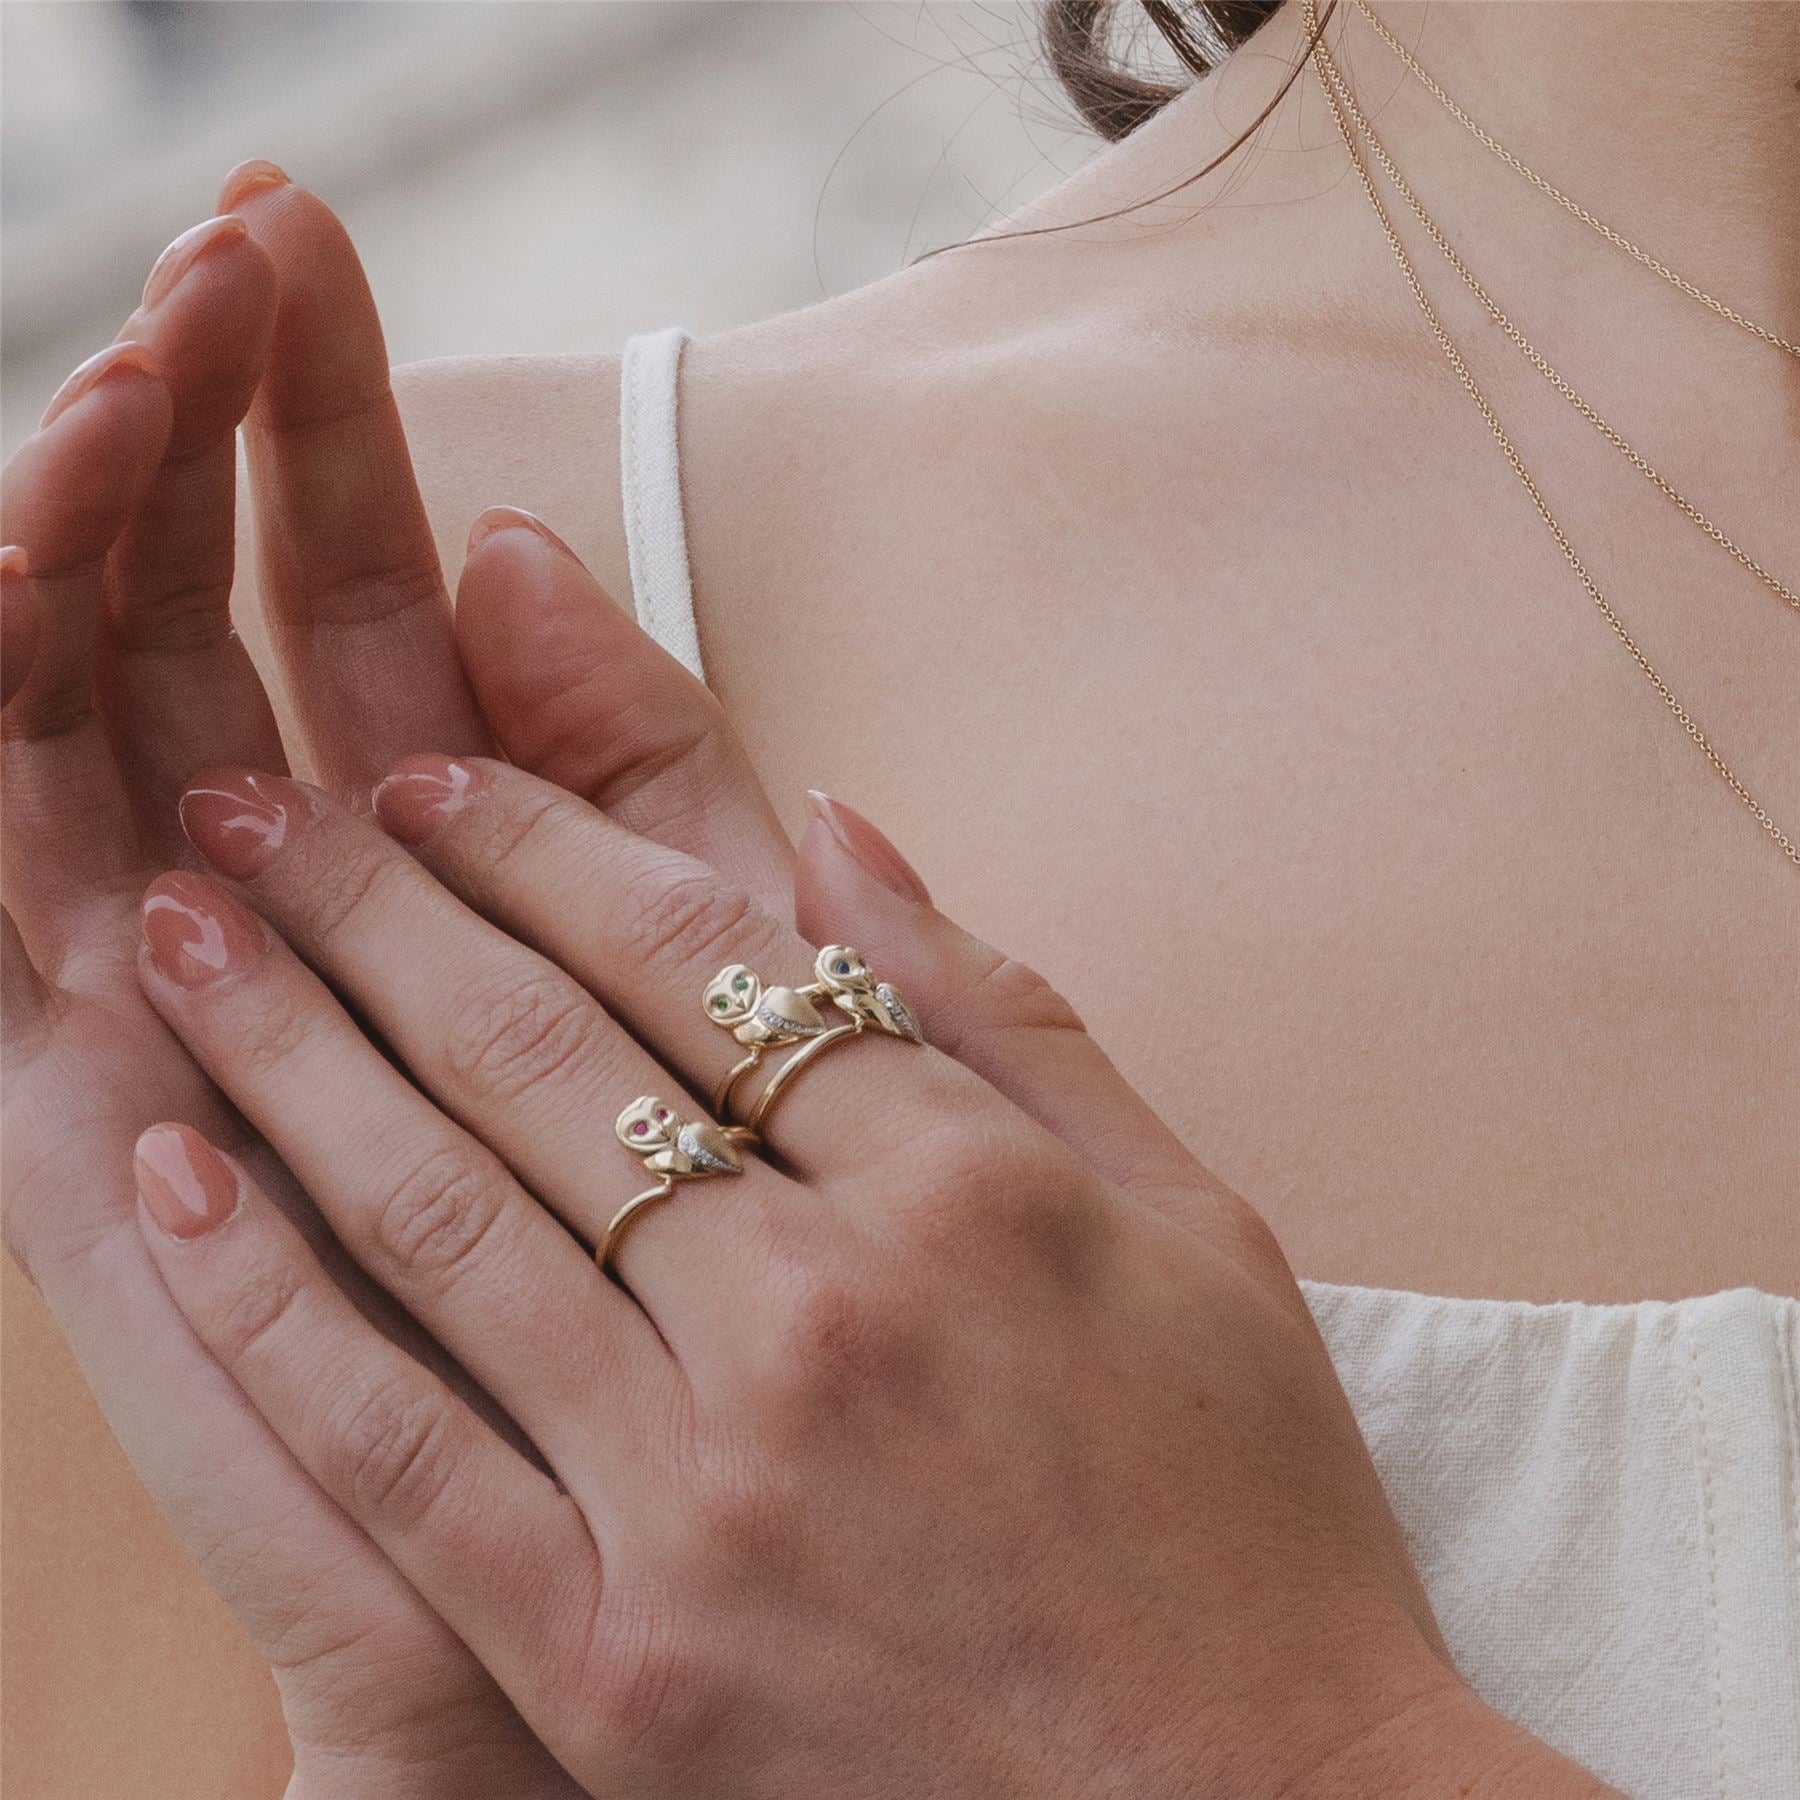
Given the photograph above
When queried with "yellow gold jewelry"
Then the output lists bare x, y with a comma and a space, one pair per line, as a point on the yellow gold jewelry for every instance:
765, 1018
1353, 128
676, 1151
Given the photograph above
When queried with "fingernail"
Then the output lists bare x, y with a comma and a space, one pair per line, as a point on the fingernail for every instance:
514, 518
867, 848
95, 370
422, 793
186, 1186
15, 565
187, 250
248, 178
197, 933
238, 820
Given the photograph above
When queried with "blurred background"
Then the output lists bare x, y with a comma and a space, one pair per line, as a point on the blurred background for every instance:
521, 175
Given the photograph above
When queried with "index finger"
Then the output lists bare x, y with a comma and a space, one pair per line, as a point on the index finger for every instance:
354, 598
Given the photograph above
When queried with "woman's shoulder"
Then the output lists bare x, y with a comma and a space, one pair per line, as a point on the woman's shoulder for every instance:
770, 414
538, 432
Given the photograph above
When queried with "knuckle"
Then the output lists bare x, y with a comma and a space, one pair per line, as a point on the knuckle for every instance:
393, 1454
344, 887
676, 764
438, 1218
515, 831
180, 619
1002, 995
1251, 1238
658, 1693
372, 596
746, 1530
997, 1201
501, 1040
688, 918
836, 1342
265, 1026
253, 1310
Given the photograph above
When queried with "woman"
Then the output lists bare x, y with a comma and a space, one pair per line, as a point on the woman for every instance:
1308, 768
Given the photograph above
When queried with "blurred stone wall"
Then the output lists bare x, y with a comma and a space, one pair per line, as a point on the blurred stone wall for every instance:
520, 174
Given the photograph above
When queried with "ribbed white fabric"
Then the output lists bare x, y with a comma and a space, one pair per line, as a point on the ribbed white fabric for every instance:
1603, 1501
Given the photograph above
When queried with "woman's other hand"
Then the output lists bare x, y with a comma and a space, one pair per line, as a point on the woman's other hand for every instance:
122, 675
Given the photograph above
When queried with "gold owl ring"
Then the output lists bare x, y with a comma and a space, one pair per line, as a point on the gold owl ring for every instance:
675, 1151
765, 1018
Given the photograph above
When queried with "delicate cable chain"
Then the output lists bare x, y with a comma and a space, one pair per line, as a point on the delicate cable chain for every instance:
1555, 193
1331, 81
1539, 362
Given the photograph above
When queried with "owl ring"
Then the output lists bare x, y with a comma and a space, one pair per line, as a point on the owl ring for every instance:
843, 1000
672, 1150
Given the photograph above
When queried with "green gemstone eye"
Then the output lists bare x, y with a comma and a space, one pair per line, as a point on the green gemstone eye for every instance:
720, 1004
742, 982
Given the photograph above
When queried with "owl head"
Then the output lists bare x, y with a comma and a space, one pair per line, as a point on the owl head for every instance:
647, 1125
732, 996
842, 969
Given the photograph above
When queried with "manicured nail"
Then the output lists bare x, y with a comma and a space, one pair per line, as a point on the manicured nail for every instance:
187, 250
867, 848
15, 565
248, 178
186, 1186
238, 820
514, 518
422, 793
196, 932
97, 368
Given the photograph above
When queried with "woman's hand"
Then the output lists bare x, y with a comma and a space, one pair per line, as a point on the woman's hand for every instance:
977, 1443
122, 675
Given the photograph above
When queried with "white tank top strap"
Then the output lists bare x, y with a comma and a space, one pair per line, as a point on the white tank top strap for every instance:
650, 476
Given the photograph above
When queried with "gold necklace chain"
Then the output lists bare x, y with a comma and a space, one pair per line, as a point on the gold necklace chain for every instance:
1542, 364
1555, 193
1331, 80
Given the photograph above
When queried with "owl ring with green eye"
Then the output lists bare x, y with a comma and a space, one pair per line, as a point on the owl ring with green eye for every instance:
675, 1151
843, 999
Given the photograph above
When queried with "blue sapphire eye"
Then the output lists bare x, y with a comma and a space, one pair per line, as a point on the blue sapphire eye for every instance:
841, 968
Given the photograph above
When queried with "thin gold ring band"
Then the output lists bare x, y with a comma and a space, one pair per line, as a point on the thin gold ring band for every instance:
792, 1067
675, 1151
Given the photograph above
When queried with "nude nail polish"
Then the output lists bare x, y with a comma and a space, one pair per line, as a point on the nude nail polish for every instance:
197, 933
187, 250
113, 360
187, 1187
514, 518
423, 793
239, 820
248, 179
867, 848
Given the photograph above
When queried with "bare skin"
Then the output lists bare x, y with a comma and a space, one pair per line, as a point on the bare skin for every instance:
1425, 926
1216, 614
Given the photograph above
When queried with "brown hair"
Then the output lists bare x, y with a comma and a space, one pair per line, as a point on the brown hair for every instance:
1080, 38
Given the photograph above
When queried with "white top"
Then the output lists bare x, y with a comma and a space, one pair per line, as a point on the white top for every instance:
1603, 1501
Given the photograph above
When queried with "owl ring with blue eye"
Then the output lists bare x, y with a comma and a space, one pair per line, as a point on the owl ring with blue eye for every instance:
671, 1149
843, 1000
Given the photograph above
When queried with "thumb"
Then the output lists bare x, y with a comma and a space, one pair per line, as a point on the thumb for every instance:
990, 1012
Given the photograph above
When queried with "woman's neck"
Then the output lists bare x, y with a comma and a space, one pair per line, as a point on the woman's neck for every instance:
1676, 121
1683, 114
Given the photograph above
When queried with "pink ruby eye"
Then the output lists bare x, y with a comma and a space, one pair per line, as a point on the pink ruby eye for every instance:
639, 1128
662, 1115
